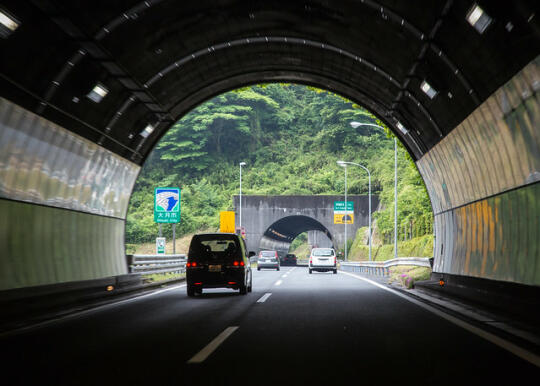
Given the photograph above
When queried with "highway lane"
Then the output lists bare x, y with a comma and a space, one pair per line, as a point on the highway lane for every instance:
293, 329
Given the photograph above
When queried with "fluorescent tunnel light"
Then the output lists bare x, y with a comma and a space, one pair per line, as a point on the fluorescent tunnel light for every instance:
98, 93
426, 88
8, 24
402, 128
478, 18
147, 131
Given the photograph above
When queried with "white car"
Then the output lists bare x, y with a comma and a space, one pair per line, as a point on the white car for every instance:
322, 260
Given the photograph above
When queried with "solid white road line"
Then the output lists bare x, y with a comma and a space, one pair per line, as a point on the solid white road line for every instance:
212, 346
503, 343
279, 282
264, 297
86, 312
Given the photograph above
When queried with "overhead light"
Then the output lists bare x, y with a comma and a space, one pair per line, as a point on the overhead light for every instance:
430, 91
242, 164
478, 18
355, 124
342, 163
147, 131
98, 93
8, 24
402, 128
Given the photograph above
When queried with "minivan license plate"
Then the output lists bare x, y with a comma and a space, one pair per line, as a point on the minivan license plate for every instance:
214, 268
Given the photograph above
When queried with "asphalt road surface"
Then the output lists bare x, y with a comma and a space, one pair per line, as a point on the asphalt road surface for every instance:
293, 329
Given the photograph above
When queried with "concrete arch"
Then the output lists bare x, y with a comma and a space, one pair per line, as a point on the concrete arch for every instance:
67, 164
275, 221
281, 233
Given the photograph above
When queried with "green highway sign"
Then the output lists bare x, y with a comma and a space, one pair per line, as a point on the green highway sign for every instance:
167, 205
339, 206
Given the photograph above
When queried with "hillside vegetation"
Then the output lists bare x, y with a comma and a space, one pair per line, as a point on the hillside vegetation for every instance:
290, 136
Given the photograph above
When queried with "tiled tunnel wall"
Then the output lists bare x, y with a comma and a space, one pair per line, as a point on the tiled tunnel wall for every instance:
63, 200
483, 181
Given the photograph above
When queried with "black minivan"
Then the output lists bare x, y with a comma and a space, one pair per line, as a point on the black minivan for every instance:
218, 260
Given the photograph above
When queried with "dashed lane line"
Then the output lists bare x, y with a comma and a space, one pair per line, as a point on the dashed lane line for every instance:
279, 282
264, 297
212, 346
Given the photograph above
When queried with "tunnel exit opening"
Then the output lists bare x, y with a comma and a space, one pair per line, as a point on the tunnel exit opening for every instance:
280, 235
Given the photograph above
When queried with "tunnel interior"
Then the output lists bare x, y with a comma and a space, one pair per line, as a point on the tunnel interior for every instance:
91, 87
282, 233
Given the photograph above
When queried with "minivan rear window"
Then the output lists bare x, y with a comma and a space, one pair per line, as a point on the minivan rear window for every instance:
205, 246
323, 252
268, 254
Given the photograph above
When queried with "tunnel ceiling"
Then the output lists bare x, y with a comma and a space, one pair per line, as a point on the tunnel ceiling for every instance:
288, 228
159, 59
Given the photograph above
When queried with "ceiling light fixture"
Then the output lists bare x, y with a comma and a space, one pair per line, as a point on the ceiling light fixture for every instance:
478, 18
147, 131
98, 93
402, 128
426, 88
8, 24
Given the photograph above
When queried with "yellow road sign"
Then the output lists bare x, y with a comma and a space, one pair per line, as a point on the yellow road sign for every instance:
226, 222
339, 218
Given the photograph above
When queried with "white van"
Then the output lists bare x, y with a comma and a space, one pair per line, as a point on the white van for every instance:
322, 259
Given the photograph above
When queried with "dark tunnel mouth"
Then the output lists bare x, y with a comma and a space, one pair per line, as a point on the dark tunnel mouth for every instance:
288, 228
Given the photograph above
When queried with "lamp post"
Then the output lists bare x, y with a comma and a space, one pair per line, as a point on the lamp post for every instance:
240, 196
404, 131
344, 164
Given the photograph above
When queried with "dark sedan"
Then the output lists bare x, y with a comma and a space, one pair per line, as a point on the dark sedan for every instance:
289, 259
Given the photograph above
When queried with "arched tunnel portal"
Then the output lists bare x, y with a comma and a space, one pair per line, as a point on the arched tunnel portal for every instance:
87, 91
282, 233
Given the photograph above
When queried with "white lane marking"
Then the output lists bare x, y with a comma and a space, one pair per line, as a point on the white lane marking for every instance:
212, 346
85, 312
284, 276
264, 297
279, 282
503, 343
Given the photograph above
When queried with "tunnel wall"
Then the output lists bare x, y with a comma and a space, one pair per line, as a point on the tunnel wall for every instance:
483, 181
63, 200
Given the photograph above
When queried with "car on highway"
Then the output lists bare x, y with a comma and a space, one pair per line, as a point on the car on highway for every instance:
268, 259
322, 260
218, 260
289, 259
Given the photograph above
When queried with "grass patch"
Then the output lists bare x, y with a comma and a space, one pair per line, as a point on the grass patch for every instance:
157, 277
417, 247
407, 275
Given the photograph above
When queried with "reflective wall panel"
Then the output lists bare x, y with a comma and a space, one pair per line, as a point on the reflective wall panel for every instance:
63, 200
484, 184
46, 245
42, 163
495, 149
497, 238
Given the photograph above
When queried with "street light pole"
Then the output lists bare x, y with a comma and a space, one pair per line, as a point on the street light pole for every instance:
344, 164
346, 220
240, 196
404, 131
395, 199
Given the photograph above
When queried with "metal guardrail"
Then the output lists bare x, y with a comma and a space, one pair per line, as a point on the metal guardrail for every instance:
148, 264
382, 268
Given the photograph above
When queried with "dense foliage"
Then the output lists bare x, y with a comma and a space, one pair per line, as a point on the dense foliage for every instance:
290, 136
